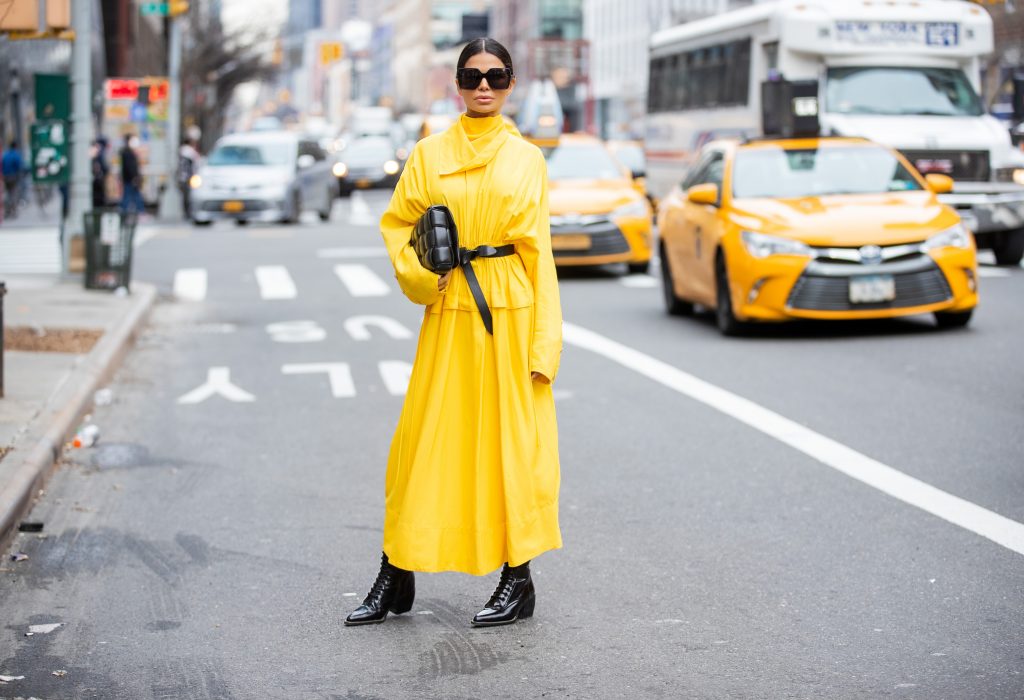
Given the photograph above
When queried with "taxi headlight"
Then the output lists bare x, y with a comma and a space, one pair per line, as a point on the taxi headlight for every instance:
1018, 176
339, 170
761, 245
955, 236
635, 208
195, 182
391, 167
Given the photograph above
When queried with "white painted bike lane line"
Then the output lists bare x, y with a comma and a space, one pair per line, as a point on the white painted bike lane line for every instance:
970, 516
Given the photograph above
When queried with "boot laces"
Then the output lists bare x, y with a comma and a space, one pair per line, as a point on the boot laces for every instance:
382, 583
504, 590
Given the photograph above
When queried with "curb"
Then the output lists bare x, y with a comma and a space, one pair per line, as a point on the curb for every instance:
45, 436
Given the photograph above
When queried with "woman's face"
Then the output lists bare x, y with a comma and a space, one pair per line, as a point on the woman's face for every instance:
484, 101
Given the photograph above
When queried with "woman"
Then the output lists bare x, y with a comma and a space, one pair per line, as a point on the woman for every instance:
472, 478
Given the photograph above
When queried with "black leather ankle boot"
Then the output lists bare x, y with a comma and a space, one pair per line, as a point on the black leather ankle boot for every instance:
514, 598
393, 591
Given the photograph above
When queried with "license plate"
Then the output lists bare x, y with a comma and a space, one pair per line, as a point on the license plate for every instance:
570, 242
234, 206
363, 183
872, 289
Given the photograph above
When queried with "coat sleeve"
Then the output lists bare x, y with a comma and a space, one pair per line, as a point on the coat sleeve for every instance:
532, 234
408, 203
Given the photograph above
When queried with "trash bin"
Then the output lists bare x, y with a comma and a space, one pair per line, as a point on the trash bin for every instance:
108, 248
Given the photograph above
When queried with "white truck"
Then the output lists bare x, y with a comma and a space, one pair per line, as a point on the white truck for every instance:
905, 73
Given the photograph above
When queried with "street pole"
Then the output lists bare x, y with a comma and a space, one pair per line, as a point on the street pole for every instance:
170, 200
81, 126
16, 106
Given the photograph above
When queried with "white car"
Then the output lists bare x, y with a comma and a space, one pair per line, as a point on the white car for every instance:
263, 176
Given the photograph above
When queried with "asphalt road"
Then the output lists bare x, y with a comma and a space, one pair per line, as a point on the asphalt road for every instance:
212, 543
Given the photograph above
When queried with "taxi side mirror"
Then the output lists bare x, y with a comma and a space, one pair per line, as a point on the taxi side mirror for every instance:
939, 184
703, 194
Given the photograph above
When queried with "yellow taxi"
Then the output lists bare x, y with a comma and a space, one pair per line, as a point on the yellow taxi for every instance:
597, 215
816, 228
631, 154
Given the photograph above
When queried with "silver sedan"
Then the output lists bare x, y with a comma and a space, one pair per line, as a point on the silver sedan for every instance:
263, 176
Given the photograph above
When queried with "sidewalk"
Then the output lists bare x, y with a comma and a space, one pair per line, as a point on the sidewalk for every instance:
74, 339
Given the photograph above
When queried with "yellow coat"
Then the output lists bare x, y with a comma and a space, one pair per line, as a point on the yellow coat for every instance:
472, 478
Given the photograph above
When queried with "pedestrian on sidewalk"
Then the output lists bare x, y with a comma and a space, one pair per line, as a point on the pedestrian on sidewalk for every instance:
100, 170
473, 475
12, 165
131, 178
188, 165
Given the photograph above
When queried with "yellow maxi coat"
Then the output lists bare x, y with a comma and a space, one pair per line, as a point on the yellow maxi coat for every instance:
473, 476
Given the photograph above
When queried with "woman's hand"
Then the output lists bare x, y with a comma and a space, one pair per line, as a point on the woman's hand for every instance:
442, 281
538, 377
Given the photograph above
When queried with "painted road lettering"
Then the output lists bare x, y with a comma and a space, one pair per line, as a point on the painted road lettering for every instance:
218, 382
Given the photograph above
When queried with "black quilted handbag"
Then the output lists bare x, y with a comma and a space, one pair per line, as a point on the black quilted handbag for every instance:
436, 240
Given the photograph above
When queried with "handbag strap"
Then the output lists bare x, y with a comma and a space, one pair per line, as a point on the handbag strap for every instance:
466, 257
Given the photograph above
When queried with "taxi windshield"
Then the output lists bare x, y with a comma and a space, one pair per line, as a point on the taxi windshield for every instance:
582, 162
269, 153
813, 172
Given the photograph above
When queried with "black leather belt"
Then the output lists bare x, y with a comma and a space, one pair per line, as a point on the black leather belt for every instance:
466, 257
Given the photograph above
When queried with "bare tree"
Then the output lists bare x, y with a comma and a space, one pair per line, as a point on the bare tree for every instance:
215, 63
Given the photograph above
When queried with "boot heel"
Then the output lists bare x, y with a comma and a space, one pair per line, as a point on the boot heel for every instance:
403, 601
527, 609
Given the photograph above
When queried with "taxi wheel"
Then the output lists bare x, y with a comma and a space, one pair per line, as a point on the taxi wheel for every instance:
726, 320
953, 319
673, 304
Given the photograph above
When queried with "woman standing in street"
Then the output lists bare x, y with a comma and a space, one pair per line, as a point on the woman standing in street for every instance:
472, 478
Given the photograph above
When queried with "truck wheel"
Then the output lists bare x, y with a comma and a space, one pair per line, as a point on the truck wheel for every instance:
1009, 247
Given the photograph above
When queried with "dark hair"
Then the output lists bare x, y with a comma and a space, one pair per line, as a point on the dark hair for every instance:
485, 44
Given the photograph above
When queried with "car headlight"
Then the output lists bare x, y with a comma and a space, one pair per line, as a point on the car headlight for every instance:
761, 245
391, 167
195, 182
339, 170
1018, 176
637, 207
956, 236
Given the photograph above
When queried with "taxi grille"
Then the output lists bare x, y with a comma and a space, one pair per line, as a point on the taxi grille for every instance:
832, 293
605, 239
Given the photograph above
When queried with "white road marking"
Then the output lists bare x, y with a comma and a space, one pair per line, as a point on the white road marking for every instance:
296, 332
339, 374
218, 381
353, 252
992, 271
359, 327
359, 213
972, 517
275, 282
190, 284
639, 281
361, 281
395, 374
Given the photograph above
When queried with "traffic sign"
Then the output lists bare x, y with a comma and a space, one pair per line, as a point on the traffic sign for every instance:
50, 151
154, 8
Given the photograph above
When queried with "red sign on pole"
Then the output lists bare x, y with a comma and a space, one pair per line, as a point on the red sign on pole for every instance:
122, 89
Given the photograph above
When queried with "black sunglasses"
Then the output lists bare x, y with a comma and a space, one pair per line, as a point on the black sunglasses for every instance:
497, 78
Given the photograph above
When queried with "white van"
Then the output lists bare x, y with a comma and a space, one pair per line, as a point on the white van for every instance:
905, 73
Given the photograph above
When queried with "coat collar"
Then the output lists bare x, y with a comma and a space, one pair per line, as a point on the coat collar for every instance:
459, 154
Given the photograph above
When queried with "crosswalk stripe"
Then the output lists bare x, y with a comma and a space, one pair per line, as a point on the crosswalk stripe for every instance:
359, 211
361, 281
275, 282
190, 284
639, 281
353, 252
